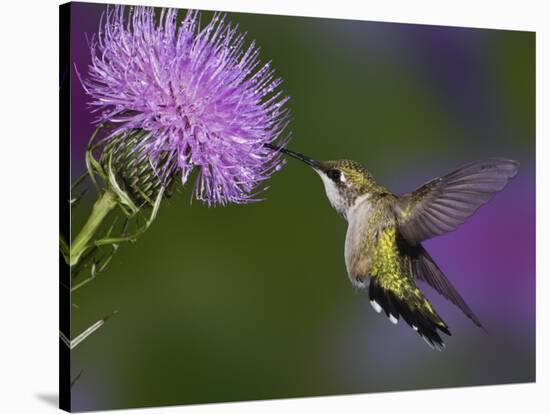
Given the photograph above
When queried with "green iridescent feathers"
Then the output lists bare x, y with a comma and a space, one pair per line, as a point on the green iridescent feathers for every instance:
393, 290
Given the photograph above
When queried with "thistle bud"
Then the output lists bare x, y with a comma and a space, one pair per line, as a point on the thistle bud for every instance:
134, 172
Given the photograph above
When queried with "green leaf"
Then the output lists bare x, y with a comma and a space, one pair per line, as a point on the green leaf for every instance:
133, 237
123, 198
94, 168
65, 250
72, 344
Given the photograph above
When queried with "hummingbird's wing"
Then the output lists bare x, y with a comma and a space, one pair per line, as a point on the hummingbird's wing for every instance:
425, 269
442, 204
393, 290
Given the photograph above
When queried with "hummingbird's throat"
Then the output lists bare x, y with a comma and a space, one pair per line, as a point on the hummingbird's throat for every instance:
340, 197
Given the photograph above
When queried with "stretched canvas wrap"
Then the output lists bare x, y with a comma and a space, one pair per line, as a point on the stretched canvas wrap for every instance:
258, 207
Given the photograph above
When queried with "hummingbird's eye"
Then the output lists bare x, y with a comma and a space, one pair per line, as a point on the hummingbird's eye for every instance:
334, 175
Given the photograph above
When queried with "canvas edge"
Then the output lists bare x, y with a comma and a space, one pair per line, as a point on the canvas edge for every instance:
64, 208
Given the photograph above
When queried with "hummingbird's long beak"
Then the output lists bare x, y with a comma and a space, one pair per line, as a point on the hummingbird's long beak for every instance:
312, 163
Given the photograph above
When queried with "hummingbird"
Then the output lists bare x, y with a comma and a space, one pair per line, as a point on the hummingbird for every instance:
383, 247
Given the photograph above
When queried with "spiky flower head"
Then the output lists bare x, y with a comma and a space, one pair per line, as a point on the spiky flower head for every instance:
203, 99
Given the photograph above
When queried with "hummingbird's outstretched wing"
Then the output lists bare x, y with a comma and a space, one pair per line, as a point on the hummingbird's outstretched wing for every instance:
393, 290
425, 269
442, 204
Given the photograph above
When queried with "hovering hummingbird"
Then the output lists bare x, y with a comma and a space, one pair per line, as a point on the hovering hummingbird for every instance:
383, 250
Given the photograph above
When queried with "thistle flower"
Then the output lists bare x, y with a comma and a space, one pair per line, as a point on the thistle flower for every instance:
201, 99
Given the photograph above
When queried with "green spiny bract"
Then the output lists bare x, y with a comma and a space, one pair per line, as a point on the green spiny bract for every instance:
134, 172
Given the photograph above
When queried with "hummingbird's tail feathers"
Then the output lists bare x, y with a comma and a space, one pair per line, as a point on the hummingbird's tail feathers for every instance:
425, 269
406, 301
442, 204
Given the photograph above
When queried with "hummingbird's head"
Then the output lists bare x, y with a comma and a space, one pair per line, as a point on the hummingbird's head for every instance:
344, 180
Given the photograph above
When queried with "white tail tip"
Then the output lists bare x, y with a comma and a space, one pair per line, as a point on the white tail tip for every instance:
376, 306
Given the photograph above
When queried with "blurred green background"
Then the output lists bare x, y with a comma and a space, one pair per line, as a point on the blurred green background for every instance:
253, 302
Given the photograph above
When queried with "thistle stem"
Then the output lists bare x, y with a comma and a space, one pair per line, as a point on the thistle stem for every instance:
101, 208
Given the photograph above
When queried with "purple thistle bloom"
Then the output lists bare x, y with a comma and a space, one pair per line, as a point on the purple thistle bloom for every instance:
204, 99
